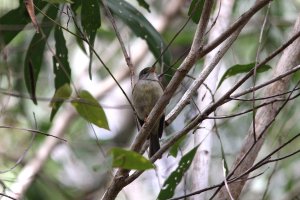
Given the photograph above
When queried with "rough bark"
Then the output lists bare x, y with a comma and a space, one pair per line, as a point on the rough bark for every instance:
264, 117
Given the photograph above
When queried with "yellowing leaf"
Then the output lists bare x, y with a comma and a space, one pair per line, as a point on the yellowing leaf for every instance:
60, 95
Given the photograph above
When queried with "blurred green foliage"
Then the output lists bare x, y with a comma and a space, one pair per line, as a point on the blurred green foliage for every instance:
88, 148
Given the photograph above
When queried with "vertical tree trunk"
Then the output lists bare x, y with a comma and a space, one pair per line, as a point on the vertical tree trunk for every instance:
264, 117
201, 163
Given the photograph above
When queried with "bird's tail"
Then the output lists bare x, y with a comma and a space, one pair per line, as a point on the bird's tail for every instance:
154, 144
156, 133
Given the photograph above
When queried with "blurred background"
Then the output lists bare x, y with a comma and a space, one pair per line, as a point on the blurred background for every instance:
80, 168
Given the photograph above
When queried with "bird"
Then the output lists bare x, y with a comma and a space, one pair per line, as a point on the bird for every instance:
145, 95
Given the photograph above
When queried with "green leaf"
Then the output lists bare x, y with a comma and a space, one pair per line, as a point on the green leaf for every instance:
130, 160
75, 5
80, 42
238, 69
61, 66
90, 18
60, 94
90, 21
195, 10
89, 108
141, 27
61, 70
17, 17
58, 98
35, 53
59, 1
144, 4
174, 179
296, 76
175, 147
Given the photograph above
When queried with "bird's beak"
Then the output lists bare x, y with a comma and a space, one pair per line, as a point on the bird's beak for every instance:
152, 69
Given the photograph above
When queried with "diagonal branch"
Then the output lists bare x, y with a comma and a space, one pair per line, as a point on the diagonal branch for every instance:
119, 180
235, 28
198, 119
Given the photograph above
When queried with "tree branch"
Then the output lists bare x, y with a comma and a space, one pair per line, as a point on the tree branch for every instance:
119, 179
231, 34
265, 115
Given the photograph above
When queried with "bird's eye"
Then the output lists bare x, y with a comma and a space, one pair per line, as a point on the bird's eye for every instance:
144, 72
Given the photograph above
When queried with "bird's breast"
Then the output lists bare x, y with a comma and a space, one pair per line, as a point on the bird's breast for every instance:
145, 95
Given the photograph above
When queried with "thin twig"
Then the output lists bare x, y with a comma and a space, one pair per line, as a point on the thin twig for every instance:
21, 158
33, 131
255, 68
225, 181
277, 78
126, 55
249, 110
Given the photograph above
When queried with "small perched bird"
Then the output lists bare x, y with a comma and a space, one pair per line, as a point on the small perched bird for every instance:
145, 94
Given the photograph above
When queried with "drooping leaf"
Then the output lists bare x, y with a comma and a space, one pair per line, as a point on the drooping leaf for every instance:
238, 69
90, 21
144, 4
89, 108
129, 160
18, 18
35, 52
62, 71
90, 18
195, 10
32, 83
141, 27
174, 179
80, 43
75, 8
61, 66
